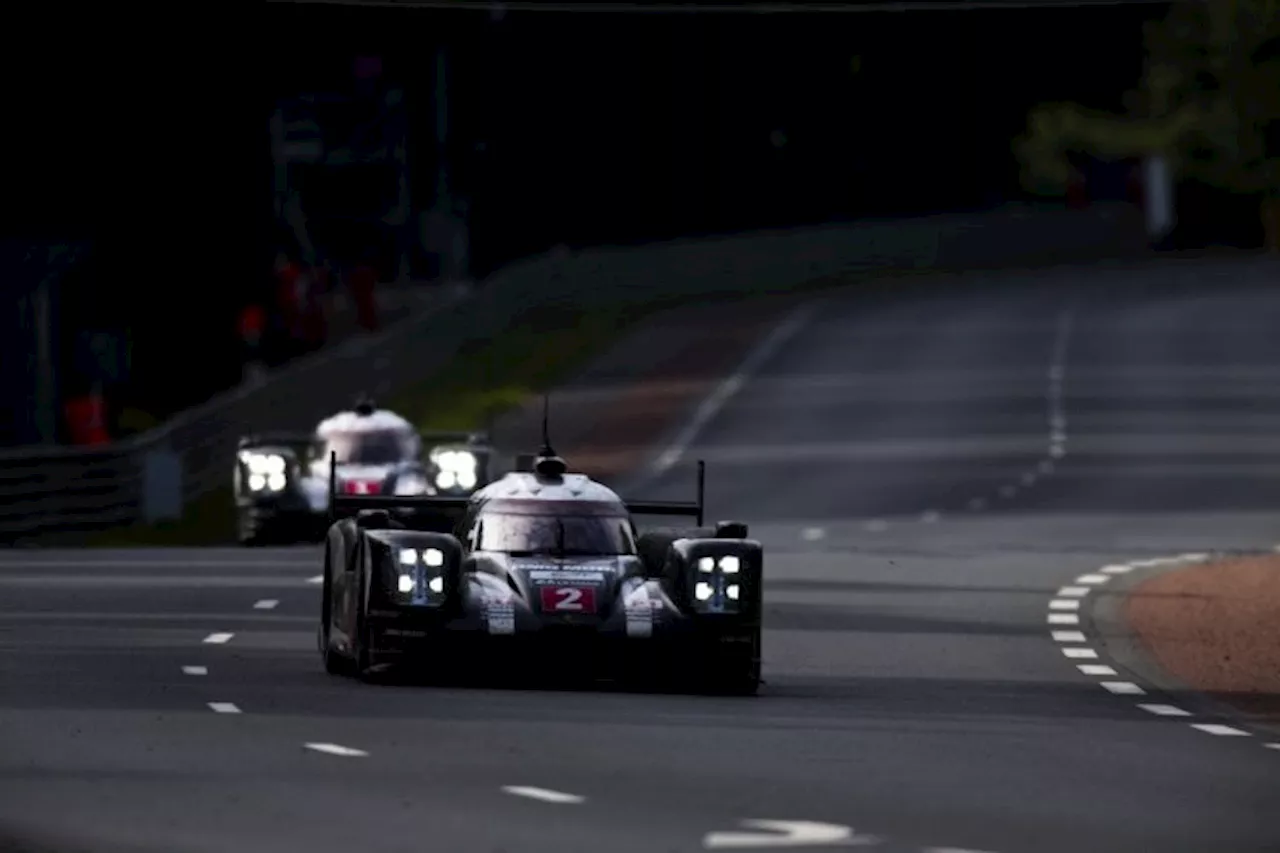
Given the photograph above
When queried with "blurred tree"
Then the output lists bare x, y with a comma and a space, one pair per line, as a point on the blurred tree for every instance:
1209, 101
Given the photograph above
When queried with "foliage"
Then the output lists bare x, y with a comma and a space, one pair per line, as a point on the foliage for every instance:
1209, 100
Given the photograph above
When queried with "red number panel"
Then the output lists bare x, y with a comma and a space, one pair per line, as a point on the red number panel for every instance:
568, 599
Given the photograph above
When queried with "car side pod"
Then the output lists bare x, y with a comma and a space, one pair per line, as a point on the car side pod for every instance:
718, 578
413, 570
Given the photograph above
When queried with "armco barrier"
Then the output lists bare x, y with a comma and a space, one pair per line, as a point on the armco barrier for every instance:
44, 491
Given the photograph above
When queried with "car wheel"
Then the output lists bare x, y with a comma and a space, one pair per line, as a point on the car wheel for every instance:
334, 663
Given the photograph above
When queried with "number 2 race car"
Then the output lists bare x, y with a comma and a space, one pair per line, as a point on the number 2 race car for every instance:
281, 480
545, 573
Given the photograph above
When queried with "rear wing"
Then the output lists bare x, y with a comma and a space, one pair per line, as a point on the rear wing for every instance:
694, 509
357, 503
684, 508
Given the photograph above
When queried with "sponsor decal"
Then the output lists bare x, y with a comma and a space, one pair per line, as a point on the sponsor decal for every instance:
638, 607
501, 618
553, 577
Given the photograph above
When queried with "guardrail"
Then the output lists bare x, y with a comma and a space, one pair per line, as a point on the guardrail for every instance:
63, 490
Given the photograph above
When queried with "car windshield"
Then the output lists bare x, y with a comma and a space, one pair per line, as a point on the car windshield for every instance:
373, 447
568, 535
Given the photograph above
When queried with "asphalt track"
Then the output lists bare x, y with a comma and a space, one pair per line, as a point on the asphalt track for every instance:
925, 468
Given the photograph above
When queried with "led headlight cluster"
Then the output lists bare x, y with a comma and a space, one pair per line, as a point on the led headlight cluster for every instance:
457, 469
266, 471
717, 581
421, 573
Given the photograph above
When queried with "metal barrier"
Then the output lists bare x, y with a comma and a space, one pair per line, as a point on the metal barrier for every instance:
45, 491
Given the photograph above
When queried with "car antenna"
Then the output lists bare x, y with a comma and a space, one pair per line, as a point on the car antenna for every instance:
548, 464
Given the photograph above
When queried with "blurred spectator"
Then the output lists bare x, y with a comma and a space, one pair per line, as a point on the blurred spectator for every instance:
86, 419
253, 322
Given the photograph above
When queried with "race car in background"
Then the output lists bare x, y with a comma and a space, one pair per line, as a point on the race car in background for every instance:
545, 573
281, 480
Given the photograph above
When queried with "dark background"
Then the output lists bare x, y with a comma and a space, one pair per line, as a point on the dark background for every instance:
144, 137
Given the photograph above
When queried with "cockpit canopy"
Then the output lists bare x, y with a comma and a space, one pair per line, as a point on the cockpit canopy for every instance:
554, 533
370, 446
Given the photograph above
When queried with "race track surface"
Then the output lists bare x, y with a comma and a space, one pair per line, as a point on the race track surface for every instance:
925, 468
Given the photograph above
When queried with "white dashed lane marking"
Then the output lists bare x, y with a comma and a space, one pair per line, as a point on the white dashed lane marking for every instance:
1220, 730
318, 579
195, 670
1165, 710
812, 534
265, 604
543, 794
1096, 669
218, 639
787, 833
1123, 688
335, 749
224, 708
1072, 597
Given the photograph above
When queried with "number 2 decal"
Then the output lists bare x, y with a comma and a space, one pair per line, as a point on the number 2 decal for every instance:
568, 599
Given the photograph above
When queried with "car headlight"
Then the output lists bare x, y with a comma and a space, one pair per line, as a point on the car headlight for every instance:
729, 564
716, 589
421, 575
455, 460
266, 471
411, 484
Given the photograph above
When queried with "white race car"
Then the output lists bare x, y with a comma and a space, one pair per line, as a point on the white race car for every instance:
281, 480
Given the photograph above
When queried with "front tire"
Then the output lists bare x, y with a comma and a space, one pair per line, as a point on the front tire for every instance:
731, 669
334, 663
249, 532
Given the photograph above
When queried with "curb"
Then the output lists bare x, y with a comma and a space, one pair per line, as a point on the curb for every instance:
1086, 620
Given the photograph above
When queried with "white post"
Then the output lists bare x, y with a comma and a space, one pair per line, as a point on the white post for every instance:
1157, 189
161, 485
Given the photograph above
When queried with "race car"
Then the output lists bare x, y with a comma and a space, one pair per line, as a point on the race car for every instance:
545, 572
281, 480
